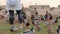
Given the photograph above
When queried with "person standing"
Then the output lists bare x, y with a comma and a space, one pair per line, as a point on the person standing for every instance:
12, 6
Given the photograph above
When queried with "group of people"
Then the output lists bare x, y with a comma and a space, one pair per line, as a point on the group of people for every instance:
36, 19
47, 19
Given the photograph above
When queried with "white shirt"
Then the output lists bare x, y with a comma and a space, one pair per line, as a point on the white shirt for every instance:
17, 7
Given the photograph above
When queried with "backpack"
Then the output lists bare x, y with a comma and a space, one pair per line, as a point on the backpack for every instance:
12, 3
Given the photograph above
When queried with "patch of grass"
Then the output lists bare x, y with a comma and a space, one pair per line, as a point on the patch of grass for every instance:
4, 27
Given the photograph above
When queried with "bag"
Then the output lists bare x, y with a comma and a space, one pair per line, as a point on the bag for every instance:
12, 3
28, 32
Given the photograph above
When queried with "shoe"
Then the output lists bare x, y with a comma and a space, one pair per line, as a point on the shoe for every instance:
12, 29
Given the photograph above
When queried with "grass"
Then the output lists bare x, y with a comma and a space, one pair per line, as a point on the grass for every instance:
4, 27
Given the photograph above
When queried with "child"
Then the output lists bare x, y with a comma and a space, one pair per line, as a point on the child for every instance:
36, 21
47, 19
49, 25
32, 18
26, 22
